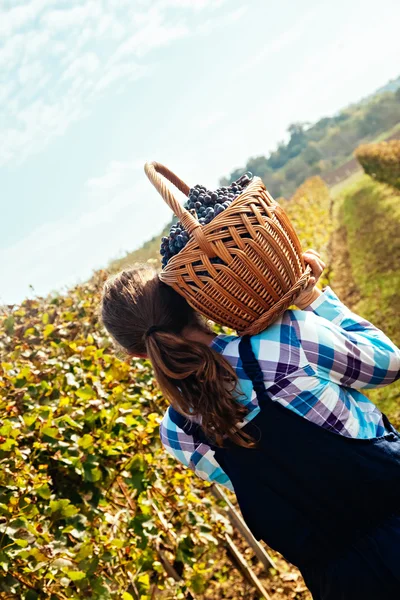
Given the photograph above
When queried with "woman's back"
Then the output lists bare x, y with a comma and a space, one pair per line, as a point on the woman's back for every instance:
314, 362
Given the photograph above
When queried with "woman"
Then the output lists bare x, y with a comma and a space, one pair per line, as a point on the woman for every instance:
280, 419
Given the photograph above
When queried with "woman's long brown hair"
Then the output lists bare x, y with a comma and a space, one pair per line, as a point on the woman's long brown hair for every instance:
197, 380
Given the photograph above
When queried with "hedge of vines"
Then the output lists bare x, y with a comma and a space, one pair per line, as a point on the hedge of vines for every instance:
381, 161
90, 504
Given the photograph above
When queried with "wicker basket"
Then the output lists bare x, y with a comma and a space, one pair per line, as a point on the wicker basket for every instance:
263, 270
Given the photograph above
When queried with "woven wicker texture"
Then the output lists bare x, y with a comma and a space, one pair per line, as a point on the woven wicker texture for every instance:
263, 270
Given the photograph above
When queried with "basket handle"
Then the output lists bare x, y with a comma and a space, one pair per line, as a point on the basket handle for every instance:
154, 170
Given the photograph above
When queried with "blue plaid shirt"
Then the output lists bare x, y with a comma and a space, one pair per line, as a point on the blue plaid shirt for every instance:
314, 361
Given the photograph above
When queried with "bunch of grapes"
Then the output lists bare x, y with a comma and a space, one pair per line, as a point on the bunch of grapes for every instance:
204, 205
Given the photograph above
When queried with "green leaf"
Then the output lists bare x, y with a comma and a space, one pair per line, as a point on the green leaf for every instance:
63, 507
93, 566
51, 432
76, 575
9, 324
118, 543
29, 419
67, 419
91, 472
4, 561
86, 441
198, 583
44, 491
4, 509
86, 393
31, 595
8, 445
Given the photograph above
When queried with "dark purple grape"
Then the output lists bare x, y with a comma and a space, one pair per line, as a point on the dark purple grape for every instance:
204, 205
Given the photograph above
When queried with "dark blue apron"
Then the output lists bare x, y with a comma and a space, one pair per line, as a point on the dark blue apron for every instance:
328, 503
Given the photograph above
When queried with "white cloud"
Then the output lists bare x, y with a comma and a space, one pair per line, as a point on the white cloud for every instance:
115, 176
30, 72
210, 120
287, 38
86, 64
57, 58
193, 4
126, 72
330, 68
19, 16
72, 17
213, 23
152, 33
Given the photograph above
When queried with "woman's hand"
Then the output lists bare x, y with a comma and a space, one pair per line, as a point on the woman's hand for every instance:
310, 294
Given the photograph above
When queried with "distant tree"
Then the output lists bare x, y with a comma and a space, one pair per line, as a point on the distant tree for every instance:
298, 139
311, 154
259, 166
296, 170
278, 158
324, 145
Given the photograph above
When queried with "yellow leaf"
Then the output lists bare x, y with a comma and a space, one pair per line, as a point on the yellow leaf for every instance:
144, 579
48, 330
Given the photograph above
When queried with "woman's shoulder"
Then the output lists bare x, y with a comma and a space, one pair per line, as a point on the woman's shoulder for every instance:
290, 329
272, 332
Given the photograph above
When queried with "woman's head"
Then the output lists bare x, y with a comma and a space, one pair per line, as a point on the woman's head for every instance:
196, 379
136, 299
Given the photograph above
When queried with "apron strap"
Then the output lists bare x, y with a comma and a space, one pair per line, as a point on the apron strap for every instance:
252, 368
189, 427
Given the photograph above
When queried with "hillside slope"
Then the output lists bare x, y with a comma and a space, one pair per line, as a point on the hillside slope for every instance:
323, 146
366, 264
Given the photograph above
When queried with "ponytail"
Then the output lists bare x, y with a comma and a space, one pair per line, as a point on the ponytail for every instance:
199, 383
146, 317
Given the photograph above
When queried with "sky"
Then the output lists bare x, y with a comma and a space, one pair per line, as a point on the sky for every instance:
92, 89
